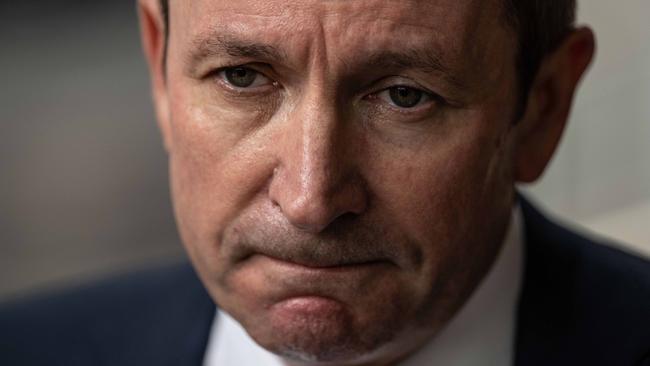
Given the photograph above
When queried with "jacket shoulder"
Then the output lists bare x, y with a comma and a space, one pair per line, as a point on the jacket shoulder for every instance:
583, 301
115, 321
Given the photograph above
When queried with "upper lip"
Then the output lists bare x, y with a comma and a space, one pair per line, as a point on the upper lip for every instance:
324, 263
312, 254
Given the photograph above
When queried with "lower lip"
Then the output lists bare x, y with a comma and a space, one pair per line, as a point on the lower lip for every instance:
308, 305
307, 311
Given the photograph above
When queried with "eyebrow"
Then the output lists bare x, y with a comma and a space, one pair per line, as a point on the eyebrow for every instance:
220, 45
426, 60
225, 45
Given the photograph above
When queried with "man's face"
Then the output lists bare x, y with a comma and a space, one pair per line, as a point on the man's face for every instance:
341, 170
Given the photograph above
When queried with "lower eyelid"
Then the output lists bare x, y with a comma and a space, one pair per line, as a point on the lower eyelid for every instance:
262, 91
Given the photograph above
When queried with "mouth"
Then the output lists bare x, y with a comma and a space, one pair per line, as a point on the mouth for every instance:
316, 283
311, 257
320, 265
313, 281
273, 270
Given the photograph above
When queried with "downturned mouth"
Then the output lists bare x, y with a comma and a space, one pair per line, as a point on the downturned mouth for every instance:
312, 254
325, 263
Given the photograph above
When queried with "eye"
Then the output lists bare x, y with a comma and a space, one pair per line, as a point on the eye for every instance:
404, 96
243, 77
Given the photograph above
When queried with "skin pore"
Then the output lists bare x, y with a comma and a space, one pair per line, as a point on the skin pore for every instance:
342, 171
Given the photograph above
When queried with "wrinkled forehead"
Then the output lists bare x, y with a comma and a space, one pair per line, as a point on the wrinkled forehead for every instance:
458, 31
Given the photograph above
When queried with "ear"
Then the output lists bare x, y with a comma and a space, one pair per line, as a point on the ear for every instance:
549, 103
152, 34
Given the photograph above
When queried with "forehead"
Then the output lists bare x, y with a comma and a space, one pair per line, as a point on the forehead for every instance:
463, 33
424, 13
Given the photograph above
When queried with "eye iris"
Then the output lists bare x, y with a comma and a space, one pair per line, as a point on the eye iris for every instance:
405, 97
240, 77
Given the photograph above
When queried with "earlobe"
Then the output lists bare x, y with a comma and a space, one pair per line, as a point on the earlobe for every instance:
549, 103
153, 43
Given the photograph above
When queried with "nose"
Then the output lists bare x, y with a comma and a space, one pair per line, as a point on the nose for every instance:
316, 180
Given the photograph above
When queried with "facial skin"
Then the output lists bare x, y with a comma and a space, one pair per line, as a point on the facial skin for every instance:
339, 221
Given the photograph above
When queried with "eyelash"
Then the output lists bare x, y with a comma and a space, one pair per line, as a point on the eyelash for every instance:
430, 103
220, 76
426, 97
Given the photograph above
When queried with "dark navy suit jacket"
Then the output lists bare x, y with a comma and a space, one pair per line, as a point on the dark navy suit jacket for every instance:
582, 304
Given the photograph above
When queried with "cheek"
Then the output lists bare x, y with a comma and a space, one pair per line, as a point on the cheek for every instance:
216, 167
426, 191
437, 195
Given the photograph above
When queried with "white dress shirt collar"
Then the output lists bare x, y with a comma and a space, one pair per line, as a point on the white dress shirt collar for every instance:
481, 333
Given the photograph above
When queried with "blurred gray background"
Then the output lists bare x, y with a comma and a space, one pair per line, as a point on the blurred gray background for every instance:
83, 182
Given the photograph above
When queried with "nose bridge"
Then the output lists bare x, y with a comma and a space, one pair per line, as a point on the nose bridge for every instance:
320, 124
314, 182
318, 160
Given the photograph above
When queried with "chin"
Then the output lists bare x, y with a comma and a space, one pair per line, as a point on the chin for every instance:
316, 330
